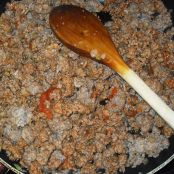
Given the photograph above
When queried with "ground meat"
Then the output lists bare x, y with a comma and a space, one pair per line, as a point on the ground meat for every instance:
35, 168
29, 155
28, 135
45, 151
56, 159
100, 124
145, 122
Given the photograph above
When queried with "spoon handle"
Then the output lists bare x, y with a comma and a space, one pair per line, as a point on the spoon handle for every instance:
149, 96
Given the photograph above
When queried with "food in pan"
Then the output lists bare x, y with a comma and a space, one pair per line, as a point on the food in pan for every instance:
99, 123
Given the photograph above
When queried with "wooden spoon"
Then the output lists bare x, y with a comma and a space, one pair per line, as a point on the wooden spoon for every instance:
83, 33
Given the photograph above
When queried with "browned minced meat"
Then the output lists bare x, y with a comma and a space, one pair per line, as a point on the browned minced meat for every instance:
100, 124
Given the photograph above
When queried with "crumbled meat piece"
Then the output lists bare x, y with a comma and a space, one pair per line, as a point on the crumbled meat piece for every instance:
56, 159
145, 123
28, 135
29, 155
35, 168
44, 151
20, 116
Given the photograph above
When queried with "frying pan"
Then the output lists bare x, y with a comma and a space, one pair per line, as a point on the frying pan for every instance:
154, 165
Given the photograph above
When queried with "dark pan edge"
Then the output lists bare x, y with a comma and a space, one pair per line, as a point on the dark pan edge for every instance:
162, 165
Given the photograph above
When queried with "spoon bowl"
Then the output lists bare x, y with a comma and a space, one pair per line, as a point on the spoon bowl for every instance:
83, 33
